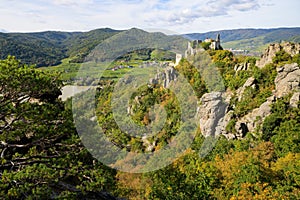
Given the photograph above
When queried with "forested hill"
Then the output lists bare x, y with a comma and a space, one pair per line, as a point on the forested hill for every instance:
251, 39
50, 47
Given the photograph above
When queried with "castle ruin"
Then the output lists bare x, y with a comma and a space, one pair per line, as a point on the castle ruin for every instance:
195, 47
216, 44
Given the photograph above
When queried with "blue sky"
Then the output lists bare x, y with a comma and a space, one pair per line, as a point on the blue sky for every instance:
177, 16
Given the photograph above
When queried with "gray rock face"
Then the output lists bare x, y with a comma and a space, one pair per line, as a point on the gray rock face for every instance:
165, 78
249, 83
291, 48
211, 113
251, 121
271, 51
295, 100
287, 80
242, 66
228, 116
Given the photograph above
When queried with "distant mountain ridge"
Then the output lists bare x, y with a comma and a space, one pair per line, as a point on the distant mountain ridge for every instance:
250, 39
238, 34
50, 47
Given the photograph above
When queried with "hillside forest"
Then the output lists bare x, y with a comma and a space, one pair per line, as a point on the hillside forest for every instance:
43, 157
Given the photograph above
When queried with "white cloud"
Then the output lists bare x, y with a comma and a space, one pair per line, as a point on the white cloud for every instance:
72, 2
179, 13
246, 7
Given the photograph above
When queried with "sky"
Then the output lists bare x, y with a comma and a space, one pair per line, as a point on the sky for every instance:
173, 16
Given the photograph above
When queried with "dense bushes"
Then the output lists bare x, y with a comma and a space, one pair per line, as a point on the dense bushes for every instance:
282, 128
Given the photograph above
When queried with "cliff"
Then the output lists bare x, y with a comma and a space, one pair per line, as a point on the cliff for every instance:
290, 48
287, 82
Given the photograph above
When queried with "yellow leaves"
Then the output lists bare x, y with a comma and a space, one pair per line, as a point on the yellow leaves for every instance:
131, 180
223, 55
264, 152
192, 81
259, 191
237, 175
133, 186
241, 173
231, 162
181, 164
146, 119
290, 166
291, 159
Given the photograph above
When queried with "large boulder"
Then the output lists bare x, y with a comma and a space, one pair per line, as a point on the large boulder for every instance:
211, 113
287, 80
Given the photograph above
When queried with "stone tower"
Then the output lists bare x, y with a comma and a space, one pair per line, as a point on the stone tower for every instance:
218, 37
216, 44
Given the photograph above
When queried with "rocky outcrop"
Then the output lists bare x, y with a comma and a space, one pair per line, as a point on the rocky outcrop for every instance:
287, 80
214, 118
228, 116
212, 110
291, 48
242, 66
211, 113
165, 77
295, 99
249, 83
271, 51
254, 119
